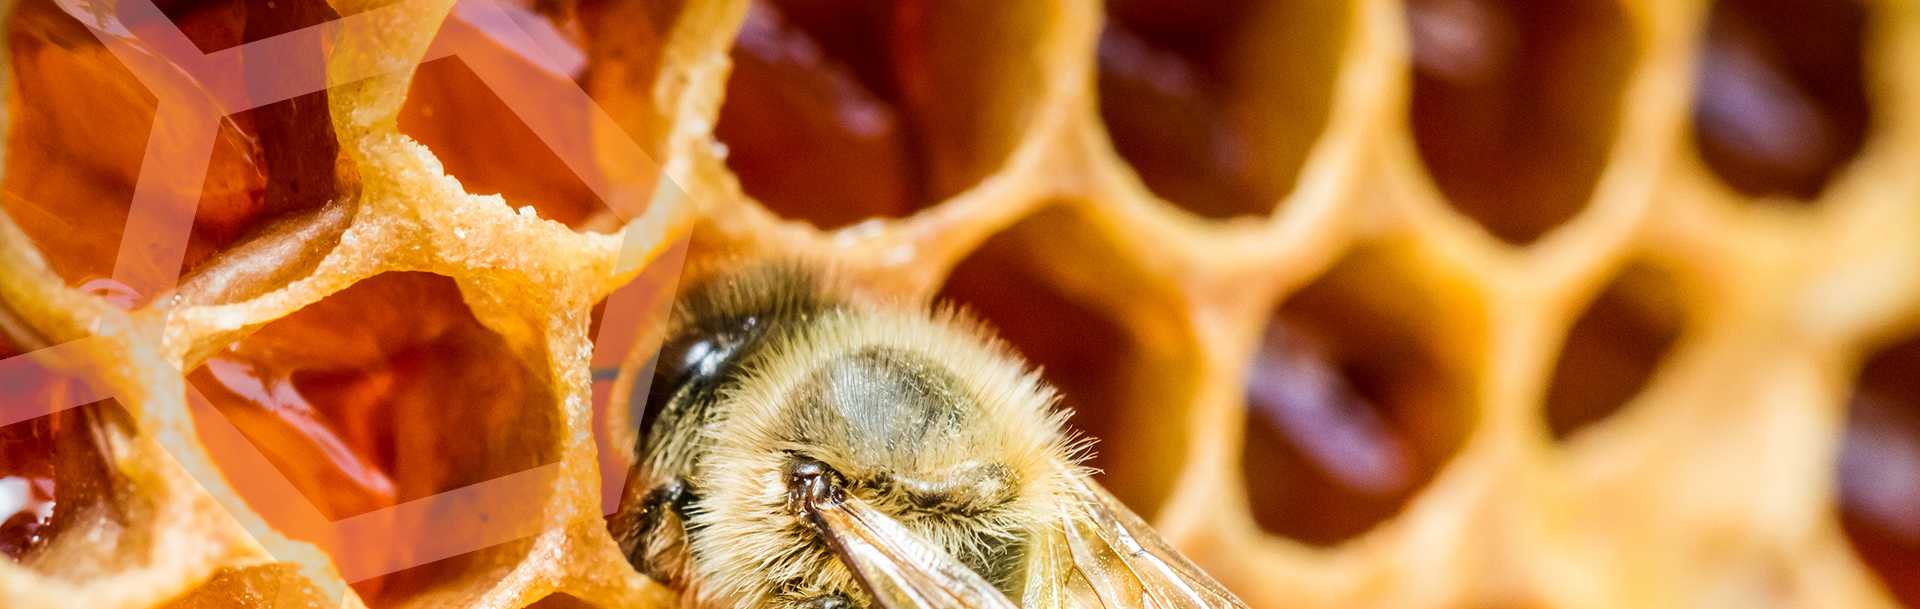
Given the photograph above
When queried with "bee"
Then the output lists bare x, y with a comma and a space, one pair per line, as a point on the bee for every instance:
804, 452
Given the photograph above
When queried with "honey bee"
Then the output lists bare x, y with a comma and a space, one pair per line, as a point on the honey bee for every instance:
802, 452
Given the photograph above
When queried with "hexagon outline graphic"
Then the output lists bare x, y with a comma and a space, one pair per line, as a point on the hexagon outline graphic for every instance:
160, 220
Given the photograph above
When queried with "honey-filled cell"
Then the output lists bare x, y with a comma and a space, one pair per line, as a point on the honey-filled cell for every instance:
385, 392
1878, 489
1613, 349
1515, 105
1356, 398
1780, 102
1216, 104
62, 497
840, 111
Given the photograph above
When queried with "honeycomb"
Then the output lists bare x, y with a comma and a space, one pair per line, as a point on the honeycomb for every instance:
1421, 303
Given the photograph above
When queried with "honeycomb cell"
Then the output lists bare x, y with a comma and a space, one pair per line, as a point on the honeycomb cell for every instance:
1613, 349
839, 111
289, 233
80, 128
506, 157
1515, 104
382, 393
1125, 375
56, 478
1879, 469
1780, 104
297, 144
1216, 103
345, 395
1356, 399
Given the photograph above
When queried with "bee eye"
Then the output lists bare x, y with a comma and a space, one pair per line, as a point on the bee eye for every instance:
703, 354
701, 357
679, 355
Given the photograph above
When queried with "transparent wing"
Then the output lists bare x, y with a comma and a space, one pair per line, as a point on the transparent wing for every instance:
897, 568
1105, 557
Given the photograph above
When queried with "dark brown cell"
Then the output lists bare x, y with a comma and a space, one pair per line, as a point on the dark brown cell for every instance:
1515, 105
1216, 103
1780, 104
1125, 382
1879, 470
382, 393
1613, 349
1353, 403
814, 131
839, 111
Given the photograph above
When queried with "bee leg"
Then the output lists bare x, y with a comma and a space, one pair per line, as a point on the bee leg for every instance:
667, 499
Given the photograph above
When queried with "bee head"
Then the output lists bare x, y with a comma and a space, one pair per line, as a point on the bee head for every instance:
902, 431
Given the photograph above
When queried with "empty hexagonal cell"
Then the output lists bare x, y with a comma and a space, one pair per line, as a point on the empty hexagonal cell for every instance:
1359, 394
1779, 104
1515, 105
384, 392
80, 127
506, 157
59, 490
838, 111
1126, 375
1879, 468
1613, 349
1216, 103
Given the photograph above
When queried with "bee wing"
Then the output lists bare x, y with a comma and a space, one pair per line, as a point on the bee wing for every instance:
1105, 557
897, 568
